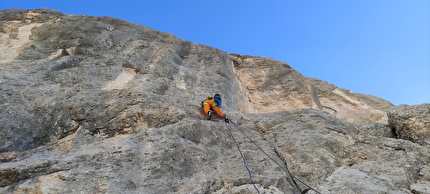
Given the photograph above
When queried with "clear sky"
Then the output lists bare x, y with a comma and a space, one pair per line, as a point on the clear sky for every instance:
376, 47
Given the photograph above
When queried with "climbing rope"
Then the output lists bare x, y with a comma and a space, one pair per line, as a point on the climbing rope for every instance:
282, 167
245, 163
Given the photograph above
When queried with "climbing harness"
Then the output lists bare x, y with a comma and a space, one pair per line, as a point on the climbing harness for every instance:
293, 179
245, 163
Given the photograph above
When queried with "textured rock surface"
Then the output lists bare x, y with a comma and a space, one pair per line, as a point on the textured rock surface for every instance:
411, 122
272, 85
100, 105
350, 106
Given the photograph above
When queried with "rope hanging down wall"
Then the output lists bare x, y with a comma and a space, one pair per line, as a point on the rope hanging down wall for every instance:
291, 179
245, 163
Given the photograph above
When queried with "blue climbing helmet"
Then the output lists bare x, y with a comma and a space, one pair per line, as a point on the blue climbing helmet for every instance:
217, 96
218, 100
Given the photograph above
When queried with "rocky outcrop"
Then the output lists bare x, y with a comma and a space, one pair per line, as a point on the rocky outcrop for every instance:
411, 122
101, 105
351, 106
317, 148
271, 85
105, 75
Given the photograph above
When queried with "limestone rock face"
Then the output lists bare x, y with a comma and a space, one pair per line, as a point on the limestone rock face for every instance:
271, 85
105, 75
351, 106
101, 105
411, 122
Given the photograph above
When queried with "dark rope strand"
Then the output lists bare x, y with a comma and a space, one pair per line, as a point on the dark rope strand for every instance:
284, 168
289, 177
245, 163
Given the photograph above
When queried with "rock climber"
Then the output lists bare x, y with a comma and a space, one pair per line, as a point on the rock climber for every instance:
213, 103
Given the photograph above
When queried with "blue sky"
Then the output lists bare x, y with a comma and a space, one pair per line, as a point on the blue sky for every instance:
376, 47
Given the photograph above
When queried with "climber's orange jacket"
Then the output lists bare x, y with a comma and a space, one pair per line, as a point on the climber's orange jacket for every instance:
210, 104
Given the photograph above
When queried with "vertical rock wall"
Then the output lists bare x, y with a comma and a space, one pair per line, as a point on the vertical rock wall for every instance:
96, 104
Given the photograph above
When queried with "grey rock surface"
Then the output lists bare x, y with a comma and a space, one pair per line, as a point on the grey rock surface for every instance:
101, 105
411, 122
